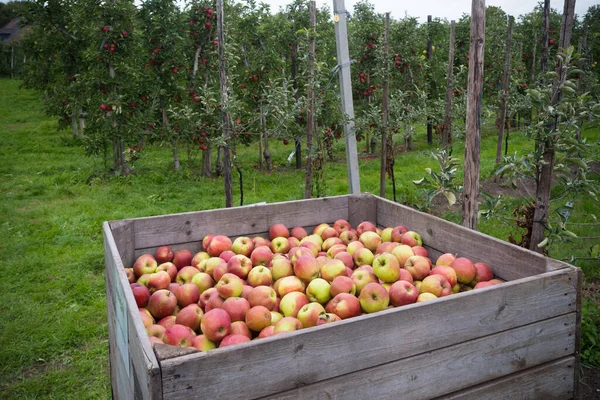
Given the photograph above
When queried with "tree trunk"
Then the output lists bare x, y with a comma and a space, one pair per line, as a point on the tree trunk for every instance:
545, 29
266, 153
294, 62
384, 109
81, 123
505, 87
429, 81
224, 114
310, 96
207, 161
473, 124
165, 121
447, 132
74, 124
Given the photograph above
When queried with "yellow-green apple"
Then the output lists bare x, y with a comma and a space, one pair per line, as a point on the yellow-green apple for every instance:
130, 275
330, 242
231, 340
145, 264
397, 233
169, 268
341, 284
257, 318
281, 266
239, 265
259, 276
361, 278
403, 252
344, 305
287, 324
190, 316
465, 270
365, 226
326, 318
141, 294
216, 324
426, 297
353, 246
420, 251
199, 257
418, 266
178, 335
218, 244
446, 271
309, 314
203, 281
187, 293
240, 328
298, 232
483, 284
230, 285
403, 293
262, 296
436, 284
346, 258
320, 228
278, 230
342, 225
386, 234
156, 331
146, 316
162, 303
484, 273
280, 245
219, 271
332, 269
210, 264
202, 343
318, 291
158, 280
163, 254
405, 276
261, 255
205, 296
411, 238
329, 232
306, 268
373, 298
317, 240
445, 259
236, 307
242, 245
167, 321
363, 256
371, 240
386, 247
311, 246
289, 284
417, 285
186, 274
206, 241
456, 288
226, 255
266, 332
293, 241
386, 267
182, 258
291, 303
261, 241
348, 237
276, 316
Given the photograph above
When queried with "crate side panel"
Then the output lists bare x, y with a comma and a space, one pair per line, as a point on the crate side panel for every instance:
240, 221
123, 235
550, 381
362, 207
311, 355
451, 368
508, 261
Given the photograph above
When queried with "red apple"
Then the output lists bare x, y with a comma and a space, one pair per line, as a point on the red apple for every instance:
418, 266
158, 280
371, 240
162, 303
346, 258
342, 225
156, 330
445, 259
261, 255
258, 318
218, 244
344, 305
329, 232
231, 340
348, 237
186, 274
266, 332
309, 314
141, 294
278, 230
242, 245
281, 266
403, 293
182, 258
178, 335
341, 284
291, 303
447, 272
214, 301
209, 265
287, 324
190, 316
206, 241
236, 307
216, 324
167, 321
298, 232
365, 226
484, 273
130, 275
320, 228
405, 276
411, 239
306, 268
219, 271
199, 257
263, 296
240, 328
327, 318
397, 233
289, 284
186, 294
239, 265
169, 268
332, 269
420, 251
436, 284
373, 298
203, 281
145, 264
361, 278
353, 246
163, 254
230, 285
465, 270
259, 276
146, 316
261, 241
202, 343
280, 245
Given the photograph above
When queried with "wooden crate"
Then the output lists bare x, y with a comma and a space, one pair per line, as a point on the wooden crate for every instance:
519, 339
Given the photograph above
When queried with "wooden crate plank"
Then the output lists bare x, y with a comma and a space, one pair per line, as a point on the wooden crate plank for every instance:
118, 373
123, 235
508, 261
451, 368
321, 353
362, 207
237, 221
550, 381
579, 291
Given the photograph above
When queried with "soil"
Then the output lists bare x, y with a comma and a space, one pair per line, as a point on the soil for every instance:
589, 385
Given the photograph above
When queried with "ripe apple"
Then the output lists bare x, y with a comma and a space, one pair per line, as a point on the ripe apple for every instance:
219, 271
484, 273
309, 314
426, 297
316, 239
259, 276
436, 284
373, 297
169, 268
145, 264
153, 340
257, 318
496, 281
240, 328
336, 249
261, 241
484, 284
278, 230
292, 302
158, 280
182, 258
162, 303
262, 296
239, 265
318, 230
199, 257
156, 330
420, 251
318, 290
231, 340
465, 270
289, 284
306, 268
206, 241
275, 317
341, 284
332, 269
445, 259
330, 242
386, 267
353, 246
327, 318
287, 324
446, 271
226, 255
403, 293
397, 233
418, 266
230, 285
203, 281
361, 278
348, 237
202, 343
329, 232
216, 324
266, 332
186, 294
210, 264
405, 276
281, 266
206, 295
309, 245
280, 245
298, 232
163, 254
146, 316
141, 294
344, 305
363, 256
242, 245
186, 274
386, 234
218, 244
178, 335
167, 321
371, 240
130, 275
261, 255
386, 247
342, 225
190, 316
411, 239
365, 226
236, 307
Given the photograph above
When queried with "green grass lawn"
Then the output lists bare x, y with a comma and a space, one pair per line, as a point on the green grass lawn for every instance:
53, 330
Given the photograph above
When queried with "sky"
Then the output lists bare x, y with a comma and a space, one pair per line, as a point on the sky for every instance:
449, 9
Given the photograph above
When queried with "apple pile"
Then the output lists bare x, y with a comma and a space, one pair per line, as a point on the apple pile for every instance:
238, 290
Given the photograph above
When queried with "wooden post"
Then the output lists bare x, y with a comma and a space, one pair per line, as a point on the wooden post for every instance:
429, 79
310, 97
343, 58
224, 114
384, 106
294, 59
505, 87
545, 29
12, 62
473, 125
447, 132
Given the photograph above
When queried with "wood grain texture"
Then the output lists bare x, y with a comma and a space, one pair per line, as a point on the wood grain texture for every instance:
362, 207
451, 368
166, 351
508, 261
123, 235
550, 381
321, 353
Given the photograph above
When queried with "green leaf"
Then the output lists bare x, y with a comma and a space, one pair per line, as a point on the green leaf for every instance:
577, 161
450, 197
419, 182
543, 243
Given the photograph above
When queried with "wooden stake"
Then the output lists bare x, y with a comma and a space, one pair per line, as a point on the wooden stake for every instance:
384, 107
505, 87
473, 125
224, 113
429, 79
310, 96
447, 132
545, 29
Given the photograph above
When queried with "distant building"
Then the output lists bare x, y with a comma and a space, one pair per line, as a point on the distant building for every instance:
12, 32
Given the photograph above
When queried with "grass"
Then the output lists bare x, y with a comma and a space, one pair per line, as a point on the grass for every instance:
53, 340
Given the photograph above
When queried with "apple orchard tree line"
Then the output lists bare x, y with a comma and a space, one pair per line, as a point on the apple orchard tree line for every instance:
122, 77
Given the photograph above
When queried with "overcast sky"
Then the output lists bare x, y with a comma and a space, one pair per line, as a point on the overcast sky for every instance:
449, 9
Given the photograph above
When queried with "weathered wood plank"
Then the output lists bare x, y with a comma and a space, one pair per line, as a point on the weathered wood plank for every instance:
321, 353
507, 260
123, 235
551, 381
362, 207
237, 221
166, 351
451, 368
